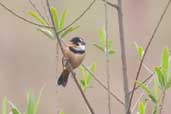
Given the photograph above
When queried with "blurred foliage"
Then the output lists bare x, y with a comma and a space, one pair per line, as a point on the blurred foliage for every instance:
86, 76
102, 43
162, 81
31, 105
59, 22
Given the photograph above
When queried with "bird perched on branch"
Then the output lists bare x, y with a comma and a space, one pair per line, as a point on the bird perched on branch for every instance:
74, 53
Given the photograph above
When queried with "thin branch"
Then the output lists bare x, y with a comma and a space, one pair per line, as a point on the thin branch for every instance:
30, 22
79, 17
107, 59
22, 18
123, 57
99, 82
111, 4
37, 10
73, 74
45, 11
146, 49
162, 102
139, 98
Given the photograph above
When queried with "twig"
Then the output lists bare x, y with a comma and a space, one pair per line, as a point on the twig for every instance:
28, 21
123, 57
107, 58
45, 11
145, 80
99, 82
146, 49
73, 74
110, 4
37, 10
139, 98
79, 17
22, 18
162, 102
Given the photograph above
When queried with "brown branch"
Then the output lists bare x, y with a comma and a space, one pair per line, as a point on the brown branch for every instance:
110, 4
73, 74
100, 83
146, 50
123, 57
107, 59
22, 18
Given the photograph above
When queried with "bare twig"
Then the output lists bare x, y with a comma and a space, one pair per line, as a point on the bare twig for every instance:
110, 4
99, 82
37, 10
146, 49
45, 11
123, 56
107, 58
162, 102
139, 98
73, 74
79, 17
22, 18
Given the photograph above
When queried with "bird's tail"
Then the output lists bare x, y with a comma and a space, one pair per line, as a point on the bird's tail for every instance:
62, 80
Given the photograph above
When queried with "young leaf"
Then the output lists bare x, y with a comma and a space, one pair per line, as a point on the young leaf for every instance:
61, 112
14, 108
102, 37
147, 90
92, 67
100, 47
140, 50
83, 85
50, 34
62, 19
165, 62
141, 108
14, 111
55, 17
30, 103
4, 105
69, 30
37, 17
160, 76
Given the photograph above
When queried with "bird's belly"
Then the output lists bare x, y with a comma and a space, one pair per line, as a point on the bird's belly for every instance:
76, 60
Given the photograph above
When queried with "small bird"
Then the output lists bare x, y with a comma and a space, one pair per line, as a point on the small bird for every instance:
74, 52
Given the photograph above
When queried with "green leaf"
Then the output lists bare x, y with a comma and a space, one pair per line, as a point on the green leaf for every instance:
69, 30
92, 67
168, 84
165, 62
140, 50
141, 108
14, 111
30, 103
62, 20
61, 112
147, 90
38, 100
37, 17
102, 37
49, 33
4, 105
160, 76
83, 85
111, 51
55, 17
100, 47
14, 108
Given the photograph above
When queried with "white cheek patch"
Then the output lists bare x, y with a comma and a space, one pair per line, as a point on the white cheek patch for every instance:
82, 47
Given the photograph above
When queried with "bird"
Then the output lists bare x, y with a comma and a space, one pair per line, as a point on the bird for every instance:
74, 54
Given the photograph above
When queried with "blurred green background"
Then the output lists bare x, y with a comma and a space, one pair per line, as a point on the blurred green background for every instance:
28, 58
